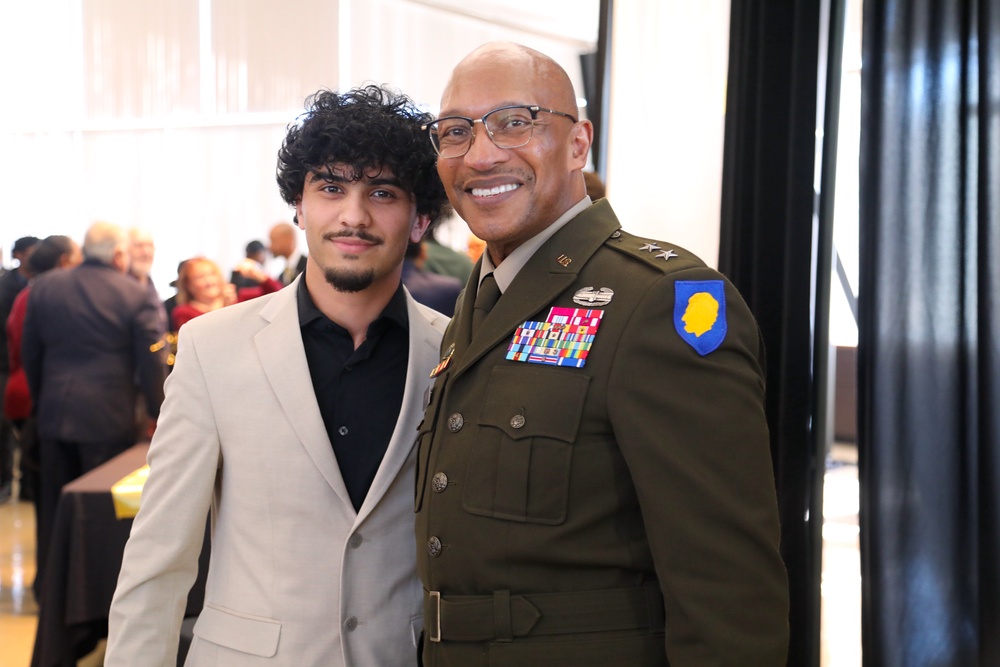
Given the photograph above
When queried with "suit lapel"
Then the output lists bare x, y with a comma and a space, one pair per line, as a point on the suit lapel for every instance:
423, 354
546, 275
283, 358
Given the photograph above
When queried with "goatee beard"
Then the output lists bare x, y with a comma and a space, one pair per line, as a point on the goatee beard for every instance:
349, 281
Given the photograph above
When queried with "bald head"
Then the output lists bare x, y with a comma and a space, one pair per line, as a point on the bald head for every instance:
551, 85
282, 238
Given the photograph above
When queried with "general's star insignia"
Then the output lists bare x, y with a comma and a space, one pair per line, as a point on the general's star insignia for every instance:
650, 247
666, 255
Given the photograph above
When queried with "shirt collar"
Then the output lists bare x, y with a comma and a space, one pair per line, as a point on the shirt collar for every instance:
515, 261
394, 311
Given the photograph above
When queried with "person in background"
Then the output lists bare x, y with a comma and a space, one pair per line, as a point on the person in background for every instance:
253, 262
445, 261
291, 419
202, 289
53, 252
141, 253
283, 244
171, 301
89, 346
11, 284
595, 186
433, 290
595, 483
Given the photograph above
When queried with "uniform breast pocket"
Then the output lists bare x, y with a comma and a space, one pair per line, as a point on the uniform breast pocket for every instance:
519, 469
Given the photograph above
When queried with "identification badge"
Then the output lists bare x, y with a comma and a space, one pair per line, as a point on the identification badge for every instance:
700, 313
563, 339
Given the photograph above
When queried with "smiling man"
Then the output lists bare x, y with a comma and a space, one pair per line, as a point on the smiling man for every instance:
594, 477
291, 419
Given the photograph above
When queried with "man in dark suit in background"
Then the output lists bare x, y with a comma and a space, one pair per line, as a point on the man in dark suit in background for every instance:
594, 480
90, 334
284, 244
433, 290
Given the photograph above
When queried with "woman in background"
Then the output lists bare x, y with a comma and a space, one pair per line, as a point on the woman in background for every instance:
201, 288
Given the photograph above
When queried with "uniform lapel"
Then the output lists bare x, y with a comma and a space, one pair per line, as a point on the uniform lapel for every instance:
423, 354
549, 272
283, 358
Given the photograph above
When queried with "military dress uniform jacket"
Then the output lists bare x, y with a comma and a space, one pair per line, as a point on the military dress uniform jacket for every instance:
619, 513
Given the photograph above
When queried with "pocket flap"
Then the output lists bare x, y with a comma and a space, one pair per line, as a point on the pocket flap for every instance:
249, 634
535, 402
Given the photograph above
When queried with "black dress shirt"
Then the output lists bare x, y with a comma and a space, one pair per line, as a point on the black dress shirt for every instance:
359, 391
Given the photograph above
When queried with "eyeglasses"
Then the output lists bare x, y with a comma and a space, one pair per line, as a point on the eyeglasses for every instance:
508, 127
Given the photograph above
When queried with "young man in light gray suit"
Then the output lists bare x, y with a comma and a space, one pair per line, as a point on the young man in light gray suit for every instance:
292, 418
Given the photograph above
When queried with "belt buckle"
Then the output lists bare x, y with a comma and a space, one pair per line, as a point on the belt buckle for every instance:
435, 635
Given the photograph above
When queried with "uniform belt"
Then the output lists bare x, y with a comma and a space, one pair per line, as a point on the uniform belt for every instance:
502, 616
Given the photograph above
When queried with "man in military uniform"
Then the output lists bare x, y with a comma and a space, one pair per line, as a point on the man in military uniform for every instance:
594, 484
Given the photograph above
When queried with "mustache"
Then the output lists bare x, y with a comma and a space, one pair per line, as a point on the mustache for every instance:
360, 234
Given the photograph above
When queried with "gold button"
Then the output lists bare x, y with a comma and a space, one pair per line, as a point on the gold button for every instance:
456, 422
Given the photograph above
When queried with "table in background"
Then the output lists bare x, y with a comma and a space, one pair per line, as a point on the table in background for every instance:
88, 542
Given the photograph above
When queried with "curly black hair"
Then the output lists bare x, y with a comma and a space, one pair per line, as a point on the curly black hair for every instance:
366, 129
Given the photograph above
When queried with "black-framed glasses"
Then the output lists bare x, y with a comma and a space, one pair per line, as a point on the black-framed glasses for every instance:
508, 127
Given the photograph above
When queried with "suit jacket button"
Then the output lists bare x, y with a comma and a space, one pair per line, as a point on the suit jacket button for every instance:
355, 541
439, 482
434, 547
517, 421
456, 422
351, 624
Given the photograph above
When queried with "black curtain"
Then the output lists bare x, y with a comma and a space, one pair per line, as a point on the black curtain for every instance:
775, 247
929, 333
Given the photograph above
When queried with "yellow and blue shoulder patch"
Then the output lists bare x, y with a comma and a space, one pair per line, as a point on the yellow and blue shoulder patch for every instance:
700, 313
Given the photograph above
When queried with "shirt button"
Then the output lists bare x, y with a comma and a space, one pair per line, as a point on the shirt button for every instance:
456, 422
439, 482
517, 421
434, 547
355, 541
351, 624
342, 430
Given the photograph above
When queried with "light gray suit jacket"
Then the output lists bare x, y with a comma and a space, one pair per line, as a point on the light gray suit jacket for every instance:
297, 577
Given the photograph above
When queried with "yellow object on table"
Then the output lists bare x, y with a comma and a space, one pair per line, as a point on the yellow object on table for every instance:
127, 492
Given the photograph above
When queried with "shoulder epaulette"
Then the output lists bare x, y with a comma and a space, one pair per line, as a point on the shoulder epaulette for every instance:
660, 254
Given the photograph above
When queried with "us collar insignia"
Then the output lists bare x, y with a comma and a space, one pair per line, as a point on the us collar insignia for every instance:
588, 296
563, 339
445, 361
700, 313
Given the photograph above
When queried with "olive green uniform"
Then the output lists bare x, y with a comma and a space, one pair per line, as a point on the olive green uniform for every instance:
622, 513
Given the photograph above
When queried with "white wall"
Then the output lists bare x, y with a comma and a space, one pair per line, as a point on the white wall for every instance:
668, 92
